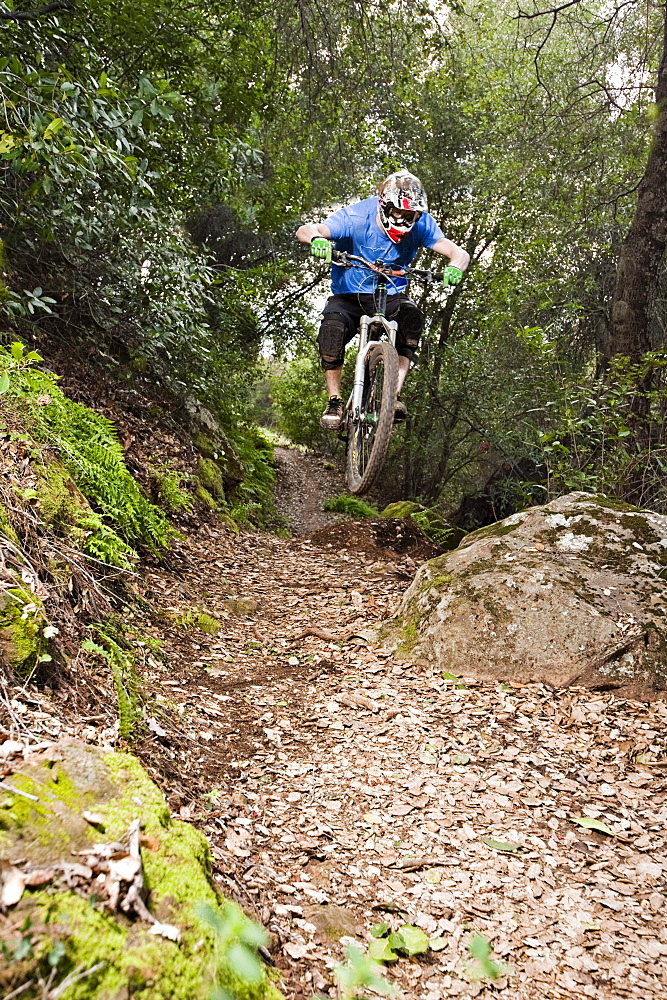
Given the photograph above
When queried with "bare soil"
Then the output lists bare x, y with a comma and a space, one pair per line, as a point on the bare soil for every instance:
304, 482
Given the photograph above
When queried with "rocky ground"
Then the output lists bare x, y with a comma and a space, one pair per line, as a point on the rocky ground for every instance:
342, 786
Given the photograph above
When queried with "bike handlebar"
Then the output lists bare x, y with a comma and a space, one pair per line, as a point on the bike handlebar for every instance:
344, 259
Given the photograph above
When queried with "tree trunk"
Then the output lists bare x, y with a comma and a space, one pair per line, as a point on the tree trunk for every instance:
643, 250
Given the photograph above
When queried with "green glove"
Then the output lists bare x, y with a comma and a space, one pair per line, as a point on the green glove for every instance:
320, 247
451, 276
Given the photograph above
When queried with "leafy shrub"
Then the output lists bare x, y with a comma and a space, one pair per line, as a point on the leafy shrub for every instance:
605, 434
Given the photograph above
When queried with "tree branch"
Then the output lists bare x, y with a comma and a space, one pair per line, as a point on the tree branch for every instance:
31, 15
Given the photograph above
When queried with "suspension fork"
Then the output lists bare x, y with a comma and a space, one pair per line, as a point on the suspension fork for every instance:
389, 326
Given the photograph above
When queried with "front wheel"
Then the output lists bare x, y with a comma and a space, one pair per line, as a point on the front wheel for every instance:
370, 430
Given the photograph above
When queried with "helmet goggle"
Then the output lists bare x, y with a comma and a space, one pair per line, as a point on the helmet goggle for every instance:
397, 222
401, 202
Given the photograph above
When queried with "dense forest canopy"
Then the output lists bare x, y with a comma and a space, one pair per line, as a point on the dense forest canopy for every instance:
157, 159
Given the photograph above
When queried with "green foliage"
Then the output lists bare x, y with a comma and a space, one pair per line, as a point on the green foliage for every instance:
237, 942
353, 506
359, 972
607, 435
166, 482
481, 966
299, 397
253, 501
125, 677
87, 446
197, 618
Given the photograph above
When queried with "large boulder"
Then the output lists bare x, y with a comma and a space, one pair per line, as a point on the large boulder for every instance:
573, 592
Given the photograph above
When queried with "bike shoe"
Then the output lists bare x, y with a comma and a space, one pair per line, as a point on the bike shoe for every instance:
400, 411
332, 417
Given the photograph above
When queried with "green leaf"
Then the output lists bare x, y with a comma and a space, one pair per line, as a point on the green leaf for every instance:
4, 382
381, 951
56, 954
17, 350
53, 127
592, 824
461, 758
449, 677
438, 943
244, 963
380, 930
409, 939
505, 846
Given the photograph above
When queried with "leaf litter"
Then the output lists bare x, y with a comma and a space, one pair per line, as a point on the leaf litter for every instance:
353, 783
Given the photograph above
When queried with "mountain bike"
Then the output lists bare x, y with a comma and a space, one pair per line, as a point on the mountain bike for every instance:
369, 412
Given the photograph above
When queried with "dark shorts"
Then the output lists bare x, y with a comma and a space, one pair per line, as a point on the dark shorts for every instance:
340, 322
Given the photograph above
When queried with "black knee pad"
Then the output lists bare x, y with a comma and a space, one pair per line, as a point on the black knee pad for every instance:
331, 340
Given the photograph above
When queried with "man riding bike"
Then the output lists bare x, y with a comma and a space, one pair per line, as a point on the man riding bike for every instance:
391, 227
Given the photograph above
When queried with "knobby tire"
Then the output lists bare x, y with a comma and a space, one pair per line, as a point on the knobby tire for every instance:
368, 440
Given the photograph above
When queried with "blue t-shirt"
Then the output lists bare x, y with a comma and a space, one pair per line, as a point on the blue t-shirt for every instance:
356, 230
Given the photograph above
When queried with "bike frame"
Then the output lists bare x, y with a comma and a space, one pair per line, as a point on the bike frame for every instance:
389, 327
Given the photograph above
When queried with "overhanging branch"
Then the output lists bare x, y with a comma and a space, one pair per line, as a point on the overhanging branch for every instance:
31, 15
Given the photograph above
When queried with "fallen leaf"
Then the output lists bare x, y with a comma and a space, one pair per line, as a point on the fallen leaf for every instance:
124, 869
95, 819
294, 950
380, 930
166, 931
505, 846
592, 824
155, 727
13, 884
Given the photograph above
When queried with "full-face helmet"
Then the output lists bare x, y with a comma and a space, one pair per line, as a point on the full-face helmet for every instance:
401, 201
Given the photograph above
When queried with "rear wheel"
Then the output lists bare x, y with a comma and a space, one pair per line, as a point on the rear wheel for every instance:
370, 430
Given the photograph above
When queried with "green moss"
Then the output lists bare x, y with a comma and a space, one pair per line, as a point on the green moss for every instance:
61, 502
22, 623
203, 495
612, 504
7, 530
210, 476
489, 531
176, 865
439, 580
401, 508
233, 526
205, 445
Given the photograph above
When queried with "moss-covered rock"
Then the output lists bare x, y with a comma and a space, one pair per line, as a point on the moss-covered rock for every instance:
61, 503
401, 508
570, 592
210, 477
211, 441
22, 623
130, 961
204, 497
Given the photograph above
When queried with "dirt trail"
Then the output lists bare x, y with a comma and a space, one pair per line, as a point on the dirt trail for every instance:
342, 786
303, 483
